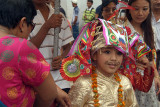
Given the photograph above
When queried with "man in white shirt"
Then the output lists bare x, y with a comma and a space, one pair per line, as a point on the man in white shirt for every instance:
43, 37
156, 25
75, 19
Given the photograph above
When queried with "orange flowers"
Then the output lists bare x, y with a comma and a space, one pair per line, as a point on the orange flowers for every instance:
120, 90
94, 87
116, 77
121, 103
96, 105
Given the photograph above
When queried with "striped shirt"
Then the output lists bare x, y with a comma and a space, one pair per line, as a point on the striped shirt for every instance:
90, 15
46, 48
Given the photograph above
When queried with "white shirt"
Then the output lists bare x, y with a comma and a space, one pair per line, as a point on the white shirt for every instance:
46, 48
75, 13
156, 25
89, 9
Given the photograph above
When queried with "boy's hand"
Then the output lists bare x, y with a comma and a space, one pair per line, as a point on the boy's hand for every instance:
56, 63
54, 21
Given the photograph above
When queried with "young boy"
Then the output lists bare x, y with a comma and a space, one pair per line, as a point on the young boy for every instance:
100, 53
105, 87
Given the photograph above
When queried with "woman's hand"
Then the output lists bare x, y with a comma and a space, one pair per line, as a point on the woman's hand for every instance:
157, 84
56, 62
142, 63
63, 99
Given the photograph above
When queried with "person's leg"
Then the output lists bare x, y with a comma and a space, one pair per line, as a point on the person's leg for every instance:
75, 30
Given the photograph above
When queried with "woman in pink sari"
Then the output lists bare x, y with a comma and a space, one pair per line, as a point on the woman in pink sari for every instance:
25, 80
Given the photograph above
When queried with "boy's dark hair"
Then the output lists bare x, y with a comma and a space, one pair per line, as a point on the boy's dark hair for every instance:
90, 1
11, 12
146, 26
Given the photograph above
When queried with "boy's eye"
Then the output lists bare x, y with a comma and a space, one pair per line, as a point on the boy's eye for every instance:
107, 51
119, 53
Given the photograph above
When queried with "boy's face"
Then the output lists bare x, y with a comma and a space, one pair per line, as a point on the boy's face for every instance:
108, 60
73, 4
89, 4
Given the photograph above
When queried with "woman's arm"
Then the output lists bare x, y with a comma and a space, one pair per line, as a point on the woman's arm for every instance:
46, 93
62, 99
144, 83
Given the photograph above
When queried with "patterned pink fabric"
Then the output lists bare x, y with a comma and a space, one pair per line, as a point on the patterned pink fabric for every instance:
21, 67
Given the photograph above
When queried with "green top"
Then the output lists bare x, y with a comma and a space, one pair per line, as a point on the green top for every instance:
90, 15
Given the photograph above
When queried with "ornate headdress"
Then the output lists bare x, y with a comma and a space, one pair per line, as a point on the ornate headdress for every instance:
94, 36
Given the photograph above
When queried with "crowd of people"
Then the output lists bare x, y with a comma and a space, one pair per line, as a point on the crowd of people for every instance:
113, 61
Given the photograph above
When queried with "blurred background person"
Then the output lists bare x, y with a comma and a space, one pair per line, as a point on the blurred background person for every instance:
75, 19
108, 8
43, 37
89, 13
156, 25
98, 11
